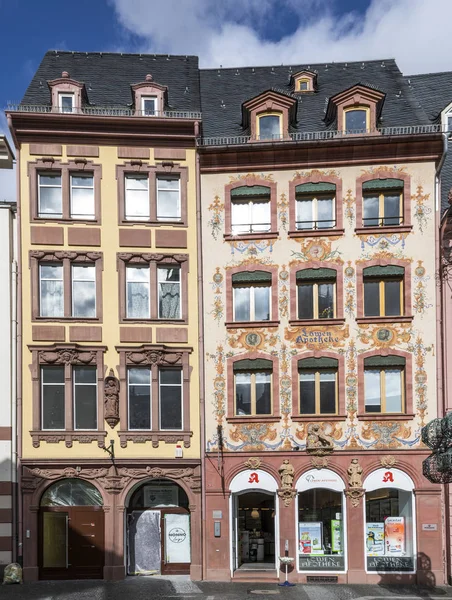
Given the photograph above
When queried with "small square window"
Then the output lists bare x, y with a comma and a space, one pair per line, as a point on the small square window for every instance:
66, 103
149, 106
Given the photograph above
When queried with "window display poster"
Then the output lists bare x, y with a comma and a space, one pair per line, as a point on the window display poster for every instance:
336, 536
310, 538
394, 536
375, 539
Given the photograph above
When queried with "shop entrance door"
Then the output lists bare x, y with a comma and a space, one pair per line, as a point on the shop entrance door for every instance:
177, 543
254, 531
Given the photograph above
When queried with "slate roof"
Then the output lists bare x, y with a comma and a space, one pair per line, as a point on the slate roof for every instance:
223, 92
108, 77
434, 91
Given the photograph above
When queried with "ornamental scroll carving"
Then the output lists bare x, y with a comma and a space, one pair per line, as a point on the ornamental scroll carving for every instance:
68, 356
111, 399
253, 463
78, 257
112, 479
154, 357
135, 258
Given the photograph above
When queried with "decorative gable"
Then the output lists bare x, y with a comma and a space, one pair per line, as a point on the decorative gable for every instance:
270, 103
359, 97
66, 93
148, 93
303, 81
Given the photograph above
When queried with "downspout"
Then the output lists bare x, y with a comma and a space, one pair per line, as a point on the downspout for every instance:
201, 355
441, 400
13, 350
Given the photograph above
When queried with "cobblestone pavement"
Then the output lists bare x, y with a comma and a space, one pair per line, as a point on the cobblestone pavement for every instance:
180, 587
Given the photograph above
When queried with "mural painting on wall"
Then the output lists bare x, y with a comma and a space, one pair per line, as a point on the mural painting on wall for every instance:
252, 437
252, 339
217, 219
351, 406
421, 211
316, 174
384, 337
382, 241
386, 434
251, 248
420, 297
318, 438
420, 351
349, 202
283, 282
217, 287
317, 337
350, 290
219, 382
318, 249
283, 207
285, 395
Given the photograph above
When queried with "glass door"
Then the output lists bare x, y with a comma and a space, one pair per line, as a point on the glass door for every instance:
55, 540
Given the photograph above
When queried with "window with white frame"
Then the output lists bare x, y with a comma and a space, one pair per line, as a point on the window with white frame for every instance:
138, 297
384, 384
168, 198
82, 196
85, 397
84, 291
51, 290
50, 198
383, 202
169, 292
137, 204
149, 106
52, 398
253, 387
66, 103
139, 397
252, 296
250, 210
170, 394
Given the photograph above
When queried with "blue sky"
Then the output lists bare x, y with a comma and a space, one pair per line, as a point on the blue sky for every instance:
223, 32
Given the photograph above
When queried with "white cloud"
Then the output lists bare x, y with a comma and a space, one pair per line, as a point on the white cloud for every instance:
224, 32
7, 176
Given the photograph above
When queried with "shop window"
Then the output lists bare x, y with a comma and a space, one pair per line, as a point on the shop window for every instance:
389, 530
253, 387
252, 296
316, 293
383, 291
269, 126
318, 386
383, 203
250, 210
315, 206
321, 539
384, 384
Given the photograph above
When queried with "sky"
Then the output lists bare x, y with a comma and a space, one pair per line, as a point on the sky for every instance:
222, 32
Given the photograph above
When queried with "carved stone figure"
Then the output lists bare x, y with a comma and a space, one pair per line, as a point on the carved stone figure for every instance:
355, 472
286, 472
318, 442
111, 399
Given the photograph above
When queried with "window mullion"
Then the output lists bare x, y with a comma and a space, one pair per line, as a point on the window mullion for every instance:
381, 291
317, 392
253, 393
383, 390
315, 303
381, 208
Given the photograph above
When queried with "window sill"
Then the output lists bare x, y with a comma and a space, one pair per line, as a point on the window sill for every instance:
243, 237
253, 419
308, 418
64, 221
56, 436
67, 320
386, 417
250, 324
383, 230
141, 437
153, 224
303, 233
153, 321
383, 320
315, 322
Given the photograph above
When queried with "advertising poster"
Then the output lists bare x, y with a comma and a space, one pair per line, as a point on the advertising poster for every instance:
375, 539
336, 535
394, 536
310, 536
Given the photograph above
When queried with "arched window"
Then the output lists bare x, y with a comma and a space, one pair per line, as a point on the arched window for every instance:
357, 119
383, 202
72, 492
383, 291
253, 387
269, 126
318, 386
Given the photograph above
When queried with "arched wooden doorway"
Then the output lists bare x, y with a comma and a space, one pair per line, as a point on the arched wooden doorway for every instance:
158, 529
71, 528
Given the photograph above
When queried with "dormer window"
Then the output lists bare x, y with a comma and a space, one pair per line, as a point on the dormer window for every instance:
149, 105
269, 126
357, 119
66, 103
303, 81
303, 85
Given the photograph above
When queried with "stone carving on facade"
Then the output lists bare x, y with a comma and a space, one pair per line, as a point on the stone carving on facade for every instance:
286, 472
319, 462
113, 479
355, 472
68, 437
111, 399
68, 356
61, 255
253, 463
388, 461
154, 357
318, 442
138, 258
287, 495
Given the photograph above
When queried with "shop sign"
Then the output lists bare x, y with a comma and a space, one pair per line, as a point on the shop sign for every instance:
157, 496
320, 478
429, 526
317, 337
321, 563
253, 479
382, 478
390, 563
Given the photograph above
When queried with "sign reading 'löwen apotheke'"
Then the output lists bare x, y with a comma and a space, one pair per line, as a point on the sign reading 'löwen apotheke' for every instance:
317, 337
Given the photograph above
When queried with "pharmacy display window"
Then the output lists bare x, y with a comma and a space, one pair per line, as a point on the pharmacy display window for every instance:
321, 535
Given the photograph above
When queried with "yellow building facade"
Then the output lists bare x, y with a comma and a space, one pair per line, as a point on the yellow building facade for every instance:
109, 387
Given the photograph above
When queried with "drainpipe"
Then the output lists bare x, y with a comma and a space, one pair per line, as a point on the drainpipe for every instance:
201, 356
440, 223
13, 347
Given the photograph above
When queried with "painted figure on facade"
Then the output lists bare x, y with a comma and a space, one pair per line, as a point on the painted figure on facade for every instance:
286, 472
355, 472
